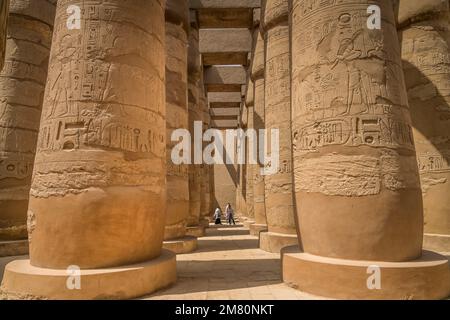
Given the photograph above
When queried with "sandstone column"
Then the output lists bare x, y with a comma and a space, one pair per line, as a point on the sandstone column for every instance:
98, 194
4, 13
177, 29
195, 115
356, 180
279, 186
249, 102
205, 187
257, 75
425, 41
22, 85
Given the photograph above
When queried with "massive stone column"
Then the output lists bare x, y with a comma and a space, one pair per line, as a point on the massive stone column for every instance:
279, 185
241, 205
195, 116
22, 85
177, 207
98, 194
4, 13
205, 186
357, 185
257, 75
249, 102
425, 41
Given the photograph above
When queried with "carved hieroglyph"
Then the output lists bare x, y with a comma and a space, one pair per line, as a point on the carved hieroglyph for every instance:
258, 118
279, 186
22, 85
195, 114
426, 62
249, 197
177, 28
98, 195
356, 179
4, 13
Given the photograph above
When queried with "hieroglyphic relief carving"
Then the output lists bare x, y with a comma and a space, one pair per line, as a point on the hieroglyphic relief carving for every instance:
425, 42
97, 97
279, 186
22, 84
352, 133
176, 116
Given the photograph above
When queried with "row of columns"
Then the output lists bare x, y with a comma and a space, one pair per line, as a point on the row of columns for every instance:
350, 184
105, 200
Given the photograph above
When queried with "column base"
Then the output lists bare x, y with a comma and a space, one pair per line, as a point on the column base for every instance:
13, 248
23, 281
186, 244
248, 223
255, 229
204, 222
274, 242
437, 242
427, 278
196, 231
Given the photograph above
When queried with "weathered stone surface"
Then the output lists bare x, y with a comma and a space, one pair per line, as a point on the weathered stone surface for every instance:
279, 200
357, 187
221, 4
225, 18
100, 167
4, 13
195, 114
177, 208
409, 11
249, 198
426, 63
22, 85
257, 75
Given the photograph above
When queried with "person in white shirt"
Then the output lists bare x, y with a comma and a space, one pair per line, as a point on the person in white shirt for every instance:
230, 214
217, 216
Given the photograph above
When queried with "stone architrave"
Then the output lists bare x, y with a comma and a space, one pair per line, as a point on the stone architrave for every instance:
177, 207
22, 86
257, 75
98, 196
279, 197
357, 185
4, 13
425, 42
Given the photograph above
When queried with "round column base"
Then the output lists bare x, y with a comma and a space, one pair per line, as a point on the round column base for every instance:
186, 244
437, 242
248, 223
24, 281
274, 242
13, 248
204, 222
427, 278
196, 231
256, 229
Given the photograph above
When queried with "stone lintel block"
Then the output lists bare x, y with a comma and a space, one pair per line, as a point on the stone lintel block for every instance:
223, 87
228, 97
224, 124
225, 18
223, 112
225, 75
225, 58
221, 4
225, 40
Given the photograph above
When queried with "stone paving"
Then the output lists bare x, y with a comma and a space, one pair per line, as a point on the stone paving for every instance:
229, 266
